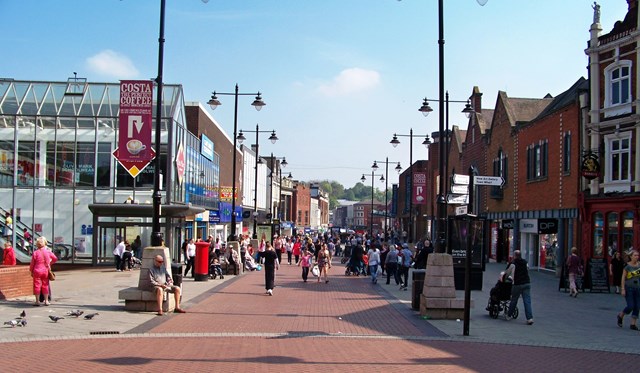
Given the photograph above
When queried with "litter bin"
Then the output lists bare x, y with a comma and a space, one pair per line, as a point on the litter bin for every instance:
416, 288
202, 261
176, 273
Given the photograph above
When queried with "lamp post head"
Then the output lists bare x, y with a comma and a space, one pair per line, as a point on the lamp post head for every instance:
398, 168
273, 138
468, 109
426, 142
425, 109
382, 178
395, 141
214, 103
241, 137
363, 178
290, 177
375, 165
284, 162
258, 103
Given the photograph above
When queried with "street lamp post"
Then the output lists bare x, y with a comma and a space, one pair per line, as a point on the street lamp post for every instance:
363, 179
395, 143
273, 138
398, 168
444, 147
284, 163
214, 103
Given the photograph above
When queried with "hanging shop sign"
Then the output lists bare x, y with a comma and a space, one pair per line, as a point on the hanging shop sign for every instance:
590, 166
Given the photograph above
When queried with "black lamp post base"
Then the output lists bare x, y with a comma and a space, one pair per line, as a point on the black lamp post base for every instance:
156, 239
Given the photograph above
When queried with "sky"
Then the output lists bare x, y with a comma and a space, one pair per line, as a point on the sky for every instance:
339, 77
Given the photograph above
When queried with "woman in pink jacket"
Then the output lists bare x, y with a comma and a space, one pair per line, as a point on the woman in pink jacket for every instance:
41, 261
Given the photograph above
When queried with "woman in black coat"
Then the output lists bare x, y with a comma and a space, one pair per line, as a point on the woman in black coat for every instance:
271, 264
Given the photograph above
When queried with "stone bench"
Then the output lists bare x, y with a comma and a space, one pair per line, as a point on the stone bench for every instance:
139, 299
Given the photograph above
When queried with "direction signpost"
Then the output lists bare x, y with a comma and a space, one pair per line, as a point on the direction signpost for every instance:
488, 180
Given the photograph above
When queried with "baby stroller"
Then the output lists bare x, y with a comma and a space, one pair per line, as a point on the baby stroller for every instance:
499, 298
136, 263
354, 268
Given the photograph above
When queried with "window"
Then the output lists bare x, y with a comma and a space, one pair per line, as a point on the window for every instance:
537, 160
500, 168
618, 162
598, 235
617, 97
566, 153
612, 233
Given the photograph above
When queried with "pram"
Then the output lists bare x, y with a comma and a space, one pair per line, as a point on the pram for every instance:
499, 298
354, 268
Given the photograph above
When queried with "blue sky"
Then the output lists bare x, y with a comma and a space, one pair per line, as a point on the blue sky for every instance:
339, 76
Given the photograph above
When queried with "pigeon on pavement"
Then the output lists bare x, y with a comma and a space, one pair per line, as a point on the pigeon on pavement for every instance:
75, 313
11, 323
23, 314
90, 316
23, 322
55, 318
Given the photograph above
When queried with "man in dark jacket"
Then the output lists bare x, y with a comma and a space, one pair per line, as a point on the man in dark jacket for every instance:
519, 271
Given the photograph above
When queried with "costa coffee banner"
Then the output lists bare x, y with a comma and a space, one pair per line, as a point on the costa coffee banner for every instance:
419, 188
134, 150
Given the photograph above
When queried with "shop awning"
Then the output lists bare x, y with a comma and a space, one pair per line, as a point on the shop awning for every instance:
143, 211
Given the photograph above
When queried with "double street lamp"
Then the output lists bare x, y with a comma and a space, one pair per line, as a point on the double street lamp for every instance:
395, 143
273, 138
398, 168
363, 179
214, 103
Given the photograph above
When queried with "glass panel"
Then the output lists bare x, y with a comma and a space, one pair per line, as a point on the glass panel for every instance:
598, 235
612, 233
627, 230
625, 71
65, 164
615, 92
615, 74
85, 170
7, 153
26, 163
103, 167
615, 166
624, 90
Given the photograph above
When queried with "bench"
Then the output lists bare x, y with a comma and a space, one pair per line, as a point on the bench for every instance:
139, 299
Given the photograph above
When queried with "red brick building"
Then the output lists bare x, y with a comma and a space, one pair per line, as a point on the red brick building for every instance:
302, 206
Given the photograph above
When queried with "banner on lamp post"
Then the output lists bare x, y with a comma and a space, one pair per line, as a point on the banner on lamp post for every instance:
134, 151
419, 188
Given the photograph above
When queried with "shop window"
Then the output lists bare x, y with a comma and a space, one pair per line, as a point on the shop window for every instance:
627, 230
26, 163
6, 162
103, 166
598, 235
612, 233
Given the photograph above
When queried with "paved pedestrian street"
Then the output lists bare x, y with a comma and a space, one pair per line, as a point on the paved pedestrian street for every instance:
348, 324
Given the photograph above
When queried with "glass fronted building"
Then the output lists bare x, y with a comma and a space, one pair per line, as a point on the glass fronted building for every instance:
59, 178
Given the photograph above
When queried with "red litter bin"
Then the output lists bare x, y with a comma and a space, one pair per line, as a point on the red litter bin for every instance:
201, 266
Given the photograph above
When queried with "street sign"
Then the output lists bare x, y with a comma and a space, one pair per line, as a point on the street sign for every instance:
459, 189
461, 210
460, 179
488, 180
457, 199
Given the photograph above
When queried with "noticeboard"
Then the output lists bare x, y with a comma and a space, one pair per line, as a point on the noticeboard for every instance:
598, 275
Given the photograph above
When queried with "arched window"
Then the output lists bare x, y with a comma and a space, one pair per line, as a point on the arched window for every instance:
612, 233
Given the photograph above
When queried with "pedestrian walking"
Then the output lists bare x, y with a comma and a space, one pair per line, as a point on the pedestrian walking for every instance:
518, 269
271, 264
391, 264
305, 263
574, 268
407, 258
324, 262
630, 290
374, 260
615, 270
190, 258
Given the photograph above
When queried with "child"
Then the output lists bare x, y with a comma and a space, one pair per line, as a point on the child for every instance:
215, 270
305, 261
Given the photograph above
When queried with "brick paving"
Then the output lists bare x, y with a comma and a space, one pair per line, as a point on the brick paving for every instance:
348, 324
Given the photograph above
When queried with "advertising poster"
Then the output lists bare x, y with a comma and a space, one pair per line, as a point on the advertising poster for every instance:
419, 188
134, 150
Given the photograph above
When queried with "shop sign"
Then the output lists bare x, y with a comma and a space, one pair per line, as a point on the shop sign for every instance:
529, 225
181, 164
507, 224
134, 150
419, 188
206, 147
547, 226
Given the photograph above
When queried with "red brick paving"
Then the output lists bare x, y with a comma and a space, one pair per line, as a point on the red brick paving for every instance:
378, 338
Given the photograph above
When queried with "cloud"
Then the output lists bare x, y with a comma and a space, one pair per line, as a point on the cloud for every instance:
351, 80
112, 64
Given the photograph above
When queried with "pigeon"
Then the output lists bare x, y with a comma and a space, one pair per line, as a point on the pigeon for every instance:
90, 316
11, 323
22, 323
55, 318
23, 314
75, 313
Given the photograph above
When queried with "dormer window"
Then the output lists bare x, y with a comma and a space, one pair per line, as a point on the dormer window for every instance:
617, 98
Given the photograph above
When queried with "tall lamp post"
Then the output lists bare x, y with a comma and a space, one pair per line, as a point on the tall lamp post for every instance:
283, 164
363, 179
214, 103
273, 138
442, 208
398, 168
395, 143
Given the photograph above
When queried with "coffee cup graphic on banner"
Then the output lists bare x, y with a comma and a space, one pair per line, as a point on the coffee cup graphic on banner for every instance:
135, 146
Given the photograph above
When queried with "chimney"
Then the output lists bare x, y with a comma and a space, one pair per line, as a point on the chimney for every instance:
476, 99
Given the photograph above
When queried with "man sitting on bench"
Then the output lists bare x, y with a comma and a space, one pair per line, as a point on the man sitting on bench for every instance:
161, 281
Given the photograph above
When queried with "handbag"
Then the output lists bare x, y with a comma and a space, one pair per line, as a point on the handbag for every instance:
52, 276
